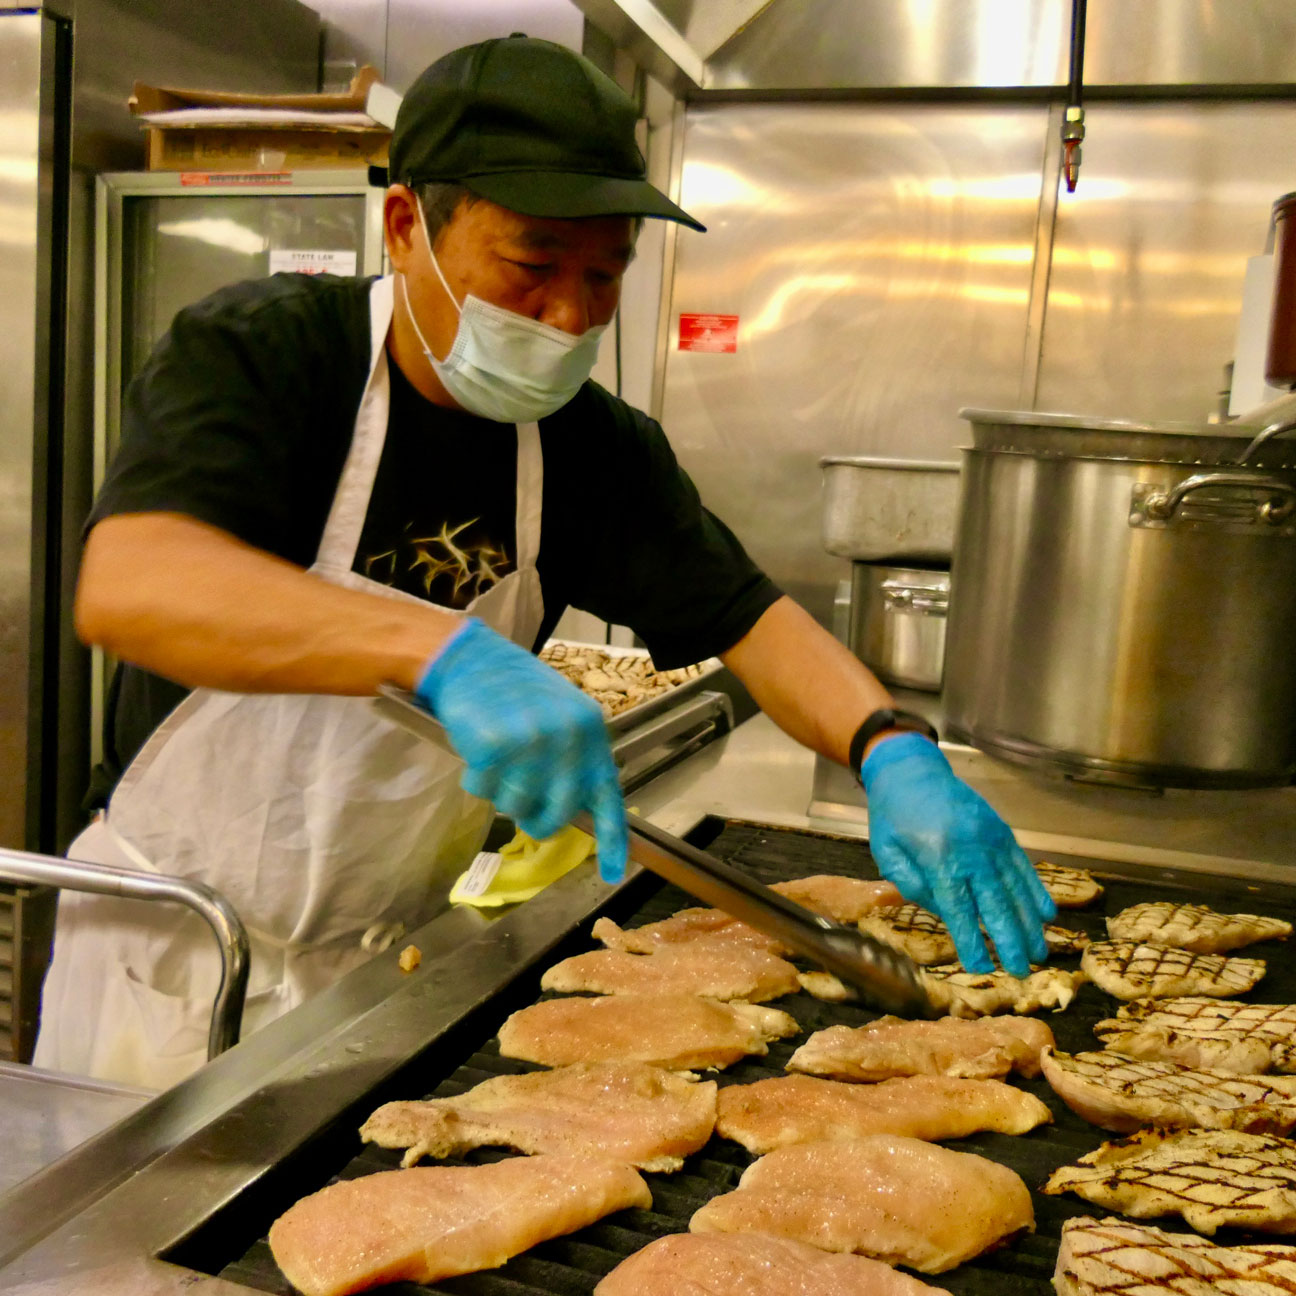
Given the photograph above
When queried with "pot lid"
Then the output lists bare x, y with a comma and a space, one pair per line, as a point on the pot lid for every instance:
1074, 436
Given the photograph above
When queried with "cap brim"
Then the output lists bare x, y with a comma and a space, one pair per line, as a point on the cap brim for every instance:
566, 194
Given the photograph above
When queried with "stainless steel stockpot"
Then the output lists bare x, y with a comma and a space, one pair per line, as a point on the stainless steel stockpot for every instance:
1124, 600
897, 624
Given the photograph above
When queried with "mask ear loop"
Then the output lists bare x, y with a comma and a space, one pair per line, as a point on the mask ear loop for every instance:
418, 332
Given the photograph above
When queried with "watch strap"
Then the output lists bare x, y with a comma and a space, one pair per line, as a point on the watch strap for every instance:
880, 721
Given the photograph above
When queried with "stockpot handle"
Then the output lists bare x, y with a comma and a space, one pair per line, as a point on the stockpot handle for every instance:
1162, 505
1284, 423
930, 600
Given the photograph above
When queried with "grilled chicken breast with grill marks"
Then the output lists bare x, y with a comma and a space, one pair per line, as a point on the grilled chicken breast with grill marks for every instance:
800, 1109
1070, 888
980, 994
1121, 1093
892, 1046
1193, 927
1130, 970
898, 1199
716, 968
681, 1032
1198, 1031
926, 939
648, 1117
1213, 1178
1098, 1257
432, 1222
752, 1264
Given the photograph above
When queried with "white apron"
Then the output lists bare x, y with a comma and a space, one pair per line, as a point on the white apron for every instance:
317, 820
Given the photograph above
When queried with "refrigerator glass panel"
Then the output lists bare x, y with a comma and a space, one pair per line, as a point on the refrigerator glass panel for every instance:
176, 250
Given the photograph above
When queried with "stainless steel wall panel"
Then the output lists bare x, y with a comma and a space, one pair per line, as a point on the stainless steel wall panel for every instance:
879, 259
823, 44
25, 185
1150, 253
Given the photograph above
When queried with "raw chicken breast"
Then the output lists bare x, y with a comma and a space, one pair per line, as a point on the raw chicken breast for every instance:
1199, 1031
1098, 1257
1213, 1178
752, 1264
626, 1111
1121, 1093
717, 968
891, 1046
843, 899
897, 1199
429, 1223
1193, 927
670, 1030
800, 1109
1130, 970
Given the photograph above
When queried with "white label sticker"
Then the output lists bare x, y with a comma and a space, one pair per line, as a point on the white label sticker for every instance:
299, 261
481, 873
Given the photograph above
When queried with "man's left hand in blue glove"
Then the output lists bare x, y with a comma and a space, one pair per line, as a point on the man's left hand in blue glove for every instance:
947, 850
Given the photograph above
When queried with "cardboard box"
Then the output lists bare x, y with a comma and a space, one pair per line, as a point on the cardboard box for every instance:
220, 131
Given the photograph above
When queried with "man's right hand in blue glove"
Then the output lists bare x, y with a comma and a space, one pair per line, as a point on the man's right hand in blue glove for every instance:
534, 744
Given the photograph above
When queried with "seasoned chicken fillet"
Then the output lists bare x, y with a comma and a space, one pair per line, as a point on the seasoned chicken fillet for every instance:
1130, 970
678, 1031
897, 1199
843, 899
1122, 1094
1070, 888
981, 994
752, 1264
1199, 1031
626, 1111
429, 1223
1213, 1178
718, 969
800, 1109
891, 1046
1098, 1257
1193, 927
916, 931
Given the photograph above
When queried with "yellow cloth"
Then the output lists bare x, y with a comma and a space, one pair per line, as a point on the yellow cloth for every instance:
525, 867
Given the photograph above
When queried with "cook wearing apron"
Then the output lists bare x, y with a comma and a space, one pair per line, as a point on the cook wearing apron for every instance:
318, 820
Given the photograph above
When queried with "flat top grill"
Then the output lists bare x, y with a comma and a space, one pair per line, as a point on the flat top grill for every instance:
573, 1265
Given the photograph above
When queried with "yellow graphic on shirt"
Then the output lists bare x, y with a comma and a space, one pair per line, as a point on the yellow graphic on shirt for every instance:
471, 568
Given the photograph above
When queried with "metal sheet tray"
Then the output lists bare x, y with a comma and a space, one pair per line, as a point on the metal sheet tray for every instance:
634, 716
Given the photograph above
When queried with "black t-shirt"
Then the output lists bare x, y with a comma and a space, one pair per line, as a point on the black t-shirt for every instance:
242, 418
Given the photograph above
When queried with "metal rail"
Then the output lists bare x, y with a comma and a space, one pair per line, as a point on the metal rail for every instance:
127, 884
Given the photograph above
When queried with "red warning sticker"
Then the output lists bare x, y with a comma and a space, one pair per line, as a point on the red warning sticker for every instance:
708, 332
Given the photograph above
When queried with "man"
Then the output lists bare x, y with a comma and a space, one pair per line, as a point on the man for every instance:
328, 484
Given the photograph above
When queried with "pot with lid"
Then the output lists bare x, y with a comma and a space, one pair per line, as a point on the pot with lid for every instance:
1123, 598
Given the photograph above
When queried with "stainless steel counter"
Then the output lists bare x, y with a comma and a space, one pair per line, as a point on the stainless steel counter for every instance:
44, 1115
94, 1221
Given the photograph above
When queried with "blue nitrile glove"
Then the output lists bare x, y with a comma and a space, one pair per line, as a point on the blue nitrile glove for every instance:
947, 850
534, 744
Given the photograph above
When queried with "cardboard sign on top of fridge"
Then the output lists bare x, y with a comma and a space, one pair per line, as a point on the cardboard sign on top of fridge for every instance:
218, 130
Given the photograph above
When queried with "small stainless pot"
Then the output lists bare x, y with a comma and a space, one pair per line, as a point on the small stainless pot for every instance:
897, 625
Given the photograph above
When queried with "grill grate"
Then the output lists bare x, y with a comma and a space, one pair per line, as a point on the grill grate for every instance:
573, 1265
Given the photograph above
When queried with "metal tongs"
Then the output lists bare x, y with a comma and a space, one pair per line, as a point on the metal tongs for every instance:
879, 974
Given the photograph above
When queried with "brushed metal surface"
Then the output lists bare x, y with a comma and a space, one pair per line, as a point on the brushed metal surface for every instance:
1149, 255
944, 43
25, 270
875, 508
1082, 642
879, 260
897, 623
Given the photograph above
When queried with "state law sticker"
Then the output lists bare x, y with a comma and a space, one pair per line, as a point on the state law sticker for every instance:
708, 332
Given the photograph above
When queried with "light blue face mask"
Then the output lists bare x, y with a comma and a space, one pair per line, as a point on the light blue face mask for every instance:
504, 366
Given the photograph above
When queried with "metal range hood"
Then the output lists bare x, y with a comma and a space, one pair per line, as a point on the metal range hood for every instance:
723, 48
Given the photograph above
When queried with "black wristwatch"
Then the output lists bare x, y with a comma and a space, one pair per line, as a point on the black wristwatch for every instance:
882, 719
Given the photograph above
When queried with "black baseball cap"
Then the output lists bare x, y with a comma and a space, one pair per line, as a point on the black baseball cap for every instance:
529, 125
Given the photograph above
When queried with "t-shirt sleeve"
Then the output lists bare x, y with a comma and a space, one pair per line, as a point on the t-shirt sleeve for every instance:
232, 422
662, 563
